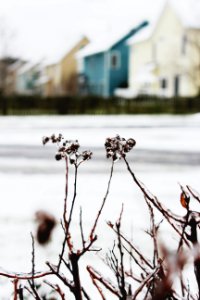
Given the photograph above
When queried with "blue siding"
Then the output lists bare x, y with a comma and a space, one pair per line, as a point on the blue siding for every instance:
95, 74
102, 78
119, 76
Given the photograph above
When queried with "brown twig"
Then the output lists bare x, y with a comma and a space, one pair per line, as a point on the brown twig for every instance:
56, 288
74, 196
154, 230
96, 276
33, 259
34, 290
103, 203
141, 256
145, 282
121, 253
81, 228
194, 193
15, 284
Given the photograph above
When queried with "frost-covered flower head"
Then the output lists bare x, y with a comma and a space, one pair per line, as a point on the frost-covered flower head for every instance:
68, 148
117, 147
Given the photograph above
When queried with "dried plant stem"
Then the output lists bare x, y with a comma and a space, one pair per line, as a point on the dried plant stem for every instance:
121, 253
66, 193
56, 288
24, 276
15, 284
145, 281
81, 228
96, 276
169, 216
35, 293
154, 230
74, 196
103, 203
193, 193
141, 256
33, 259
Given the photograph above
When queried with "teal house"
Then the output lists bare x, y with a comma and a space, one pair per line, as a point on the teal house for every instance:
104, 64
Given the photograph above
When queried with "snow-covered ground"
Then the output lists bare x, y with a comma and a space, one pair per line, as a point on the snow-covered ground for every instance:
167, 152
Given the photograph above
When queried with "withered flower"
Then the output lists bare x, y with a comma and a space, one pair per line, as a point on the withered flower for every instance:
117, 147
68, 148
46, 224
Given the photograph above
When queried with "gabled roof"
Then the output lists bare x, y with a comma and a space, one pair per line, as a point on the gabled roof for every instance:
28, 67
107, 41
185, 11
56, 55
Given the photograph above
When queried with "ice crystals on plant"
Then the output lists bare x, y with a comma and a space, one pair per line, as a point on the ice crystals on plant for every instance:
117, 147
68, 148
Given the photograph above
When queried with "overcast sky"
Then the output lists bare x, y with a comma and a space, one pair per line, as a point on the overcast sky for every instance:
41, 28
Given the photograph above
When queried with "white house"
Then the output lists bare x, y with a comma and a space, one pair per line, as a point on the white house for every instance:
165, 56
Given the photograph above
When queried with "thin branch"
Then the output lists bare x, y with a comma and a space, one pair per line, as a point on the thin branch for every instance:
69, 284
81, 228
15, 284
152, 198
56, 288
145, 281
103, 203
154, 230
24, 276
66, 193
35, 293
132, 246
96, 276
33, 259
194, 193
74, 196
120, 247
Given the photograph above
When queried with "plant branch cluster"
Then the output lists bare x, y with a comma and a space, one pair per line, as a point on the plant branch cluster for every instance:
149, 277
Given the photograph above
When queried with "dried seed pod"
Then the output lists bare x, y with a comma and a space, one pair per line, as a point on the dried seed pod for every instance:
72, 158
58, 156
46, 223
185, 200
86, 155
45, 140
131, 142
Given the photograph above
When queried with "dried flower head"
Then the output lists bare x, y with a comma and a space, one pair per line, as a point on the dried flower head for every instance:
52, 138
117, 147
68, 148
46, 224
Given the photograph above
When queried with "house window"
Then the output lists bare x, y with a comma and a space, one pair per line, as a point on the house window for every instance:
163, 83
115, 60
184, 44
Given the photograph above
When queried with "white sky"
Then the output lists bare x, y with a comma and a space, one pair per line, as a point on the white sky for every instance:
44, 28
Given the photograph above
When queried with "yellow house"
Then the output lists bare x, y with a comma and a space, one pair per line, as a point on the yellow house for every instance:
69, 68
60, 76
165, 56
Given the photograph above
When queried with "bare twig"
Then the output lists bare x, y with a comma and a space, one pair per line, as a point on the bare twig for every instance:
81, 228
145, 281
56, 288
96, 276
15, 284
141, 256
33, 259
74, 196
103, 203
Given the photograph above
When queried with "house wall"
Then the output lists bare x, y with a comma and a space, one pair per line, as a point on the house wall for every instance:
94, 67
69, 69
165, 50
52, 86
25, 82
119, 76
